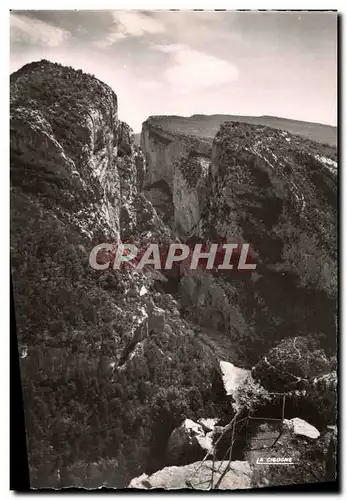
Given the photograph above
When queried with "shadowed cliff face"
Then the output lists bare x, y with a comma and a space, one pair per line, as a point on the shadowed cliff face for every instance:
163, 147
175, 163
263, 178
277, 192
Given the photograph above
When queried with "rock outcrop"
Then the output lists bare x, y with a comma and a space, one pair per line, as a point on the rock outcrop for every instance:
197, 476
266, 187
276, 191
273, 191
189, 442
96, 338
176, 173
73, 185
163, 148
69, 163
301, 428
234, 380
296, 366
233, 377
189, 191
291, 364
257, 178
272, 455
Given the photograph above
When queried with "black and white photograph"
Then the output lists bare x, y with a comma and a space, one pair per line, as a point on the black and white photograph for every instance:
174, 248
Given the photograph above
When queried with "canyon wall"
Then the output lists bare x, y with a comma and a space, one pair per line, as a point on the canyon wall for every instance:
115, 361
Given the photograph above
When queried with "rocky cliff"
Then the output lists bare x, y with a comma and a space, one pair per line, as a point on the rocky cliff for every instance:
275, 191
104, 354
162, 148
116, 360
178, 164
278, 192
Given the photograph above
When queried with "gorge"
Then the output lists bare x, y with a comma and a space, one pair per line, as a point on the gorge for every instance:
116, 361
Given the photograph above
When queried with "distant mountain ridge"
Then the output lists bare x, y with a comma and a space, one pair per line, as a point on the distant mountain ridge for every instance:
208, 125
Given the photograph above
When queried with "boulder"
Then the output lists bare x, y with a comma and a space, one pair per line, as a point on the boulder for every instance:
138, 482
208, 424
198, 476
187, 441
300, 427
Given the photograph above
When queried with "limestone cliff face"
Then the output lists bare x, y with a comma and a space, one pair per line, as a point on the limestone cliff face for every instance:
74, 165
162, 149
262, 178
97, 339
75, 176
278, 193
275, 191
189, 191
176, 164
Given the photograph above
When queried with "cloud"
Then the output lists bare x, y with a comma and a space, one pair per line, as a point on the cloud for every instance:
110, 39
193, 70
211, 61
35, 32
137, 23
170, 48
130, 23
150, 84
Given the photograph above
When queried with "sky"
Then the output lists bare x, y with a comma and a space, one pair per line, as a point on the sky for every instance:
186, 62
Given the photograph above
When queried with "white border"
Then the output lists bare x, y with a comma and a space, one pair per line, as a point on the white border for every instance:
181, 4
